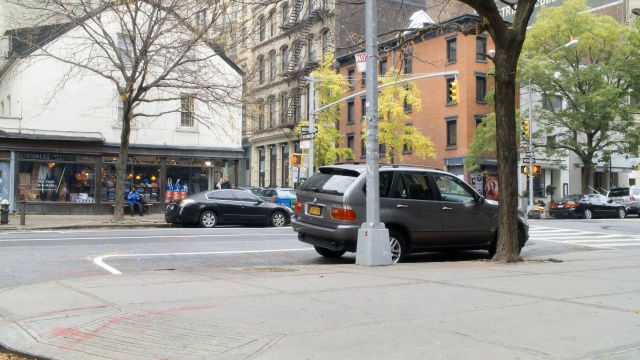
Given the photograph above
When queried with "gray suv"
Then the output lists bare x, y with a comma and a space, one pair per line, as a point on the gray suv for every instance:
629, 196
425, 209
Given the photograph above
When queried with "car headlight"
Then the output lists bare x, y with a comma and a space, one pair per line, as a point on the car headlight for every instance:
186, 202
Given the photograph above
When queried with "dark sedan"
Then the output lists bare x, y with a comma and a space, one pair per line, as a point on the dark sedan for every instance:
586, 206
233, 207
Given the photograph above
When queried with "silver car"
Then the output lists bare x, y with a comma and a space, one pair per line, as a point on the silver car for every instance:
628, 196
425, 209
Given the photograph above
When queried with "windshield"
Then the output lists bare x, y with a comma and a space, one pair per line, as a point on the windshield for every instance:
329, 183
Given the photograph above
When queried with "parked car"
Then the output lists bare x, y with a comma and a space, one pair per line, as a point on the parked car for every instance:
425, 209
251, 189
628, 196
226, 206
586, 206
284, 196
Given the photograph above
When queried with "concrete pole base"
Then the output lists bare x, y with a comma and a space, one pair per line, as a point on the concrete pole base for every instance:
373, 247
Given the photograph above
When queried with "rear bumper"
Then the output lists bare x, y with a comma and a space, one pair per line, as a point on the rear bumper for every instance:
344, 237
565, 213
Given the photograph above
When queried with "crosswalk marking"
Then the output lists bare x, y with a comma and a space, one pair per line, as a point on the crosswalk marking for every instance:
582, 238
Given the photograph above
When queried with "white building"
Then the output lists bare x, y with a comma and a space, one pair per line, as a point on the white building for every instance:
60, 136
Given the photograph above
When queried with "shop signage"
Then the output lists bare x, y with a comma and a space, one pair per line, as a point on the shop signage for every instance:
54, 157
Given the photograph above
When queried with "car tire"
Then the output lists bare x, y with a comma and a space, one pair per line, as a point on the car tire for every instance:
622, 213
398, 247
278, 219
208, 219
587, 214
328, 253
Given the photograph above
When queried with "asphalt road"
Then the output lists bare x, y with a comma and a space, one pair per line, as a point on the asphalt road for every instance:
34, 257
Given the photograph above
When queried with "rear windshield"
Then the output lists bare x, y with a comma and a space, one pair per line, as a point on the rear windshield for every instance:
329, 183
618, 192
291, 192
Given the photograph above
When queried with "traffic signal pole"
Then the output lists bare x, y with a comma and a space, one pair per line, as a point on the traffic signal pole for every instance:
530, 206
373, 247
312, 104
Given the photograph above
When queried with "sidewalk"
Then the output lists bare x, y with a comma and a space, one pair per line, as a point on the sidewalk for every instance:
46, 222
585, 307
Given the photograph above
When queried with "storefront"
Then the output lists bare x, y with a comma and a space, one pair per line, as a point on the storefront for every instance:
84, 182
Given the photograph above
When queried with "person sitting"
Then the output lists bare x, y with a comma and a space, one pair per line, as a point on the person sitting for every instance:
134, 201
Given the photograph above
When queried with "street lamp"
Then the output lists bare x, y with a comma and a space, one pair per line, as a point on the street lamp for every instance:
571, 43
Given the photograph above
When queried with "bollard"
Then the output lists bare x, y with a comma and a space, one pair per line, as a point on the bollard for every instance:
23, 209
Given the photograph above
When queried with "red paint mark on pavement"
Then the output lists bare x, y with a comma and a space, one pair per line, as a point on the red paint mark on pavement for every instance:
81, 337
53, 313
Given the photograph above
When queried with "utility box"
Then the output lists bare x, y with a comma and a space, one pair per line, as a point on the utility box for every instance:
4, 212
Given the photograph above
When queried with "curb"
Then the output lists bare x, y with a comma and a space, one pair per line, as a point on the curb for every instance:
88, 226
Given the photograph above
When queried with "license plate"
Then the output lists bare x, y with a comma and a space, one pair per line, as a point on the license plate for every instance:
314, 210
560, 206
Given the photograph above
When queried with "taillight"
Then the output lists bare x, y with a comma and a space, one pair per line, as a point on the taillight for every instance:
297, 206
553, 206
632, 198
344, 213
571, 204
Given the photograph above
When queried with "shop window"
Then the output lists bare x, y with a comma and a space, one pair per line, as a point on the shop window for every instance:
273, 165
538, 184
261, 166
56, 181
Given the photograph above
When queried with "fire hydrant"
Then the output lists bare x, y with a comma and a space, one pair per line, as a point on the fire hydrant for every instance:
4, 212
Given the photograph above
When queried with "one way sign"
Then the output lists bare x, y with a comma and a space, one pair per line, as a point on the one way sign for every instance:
306, 129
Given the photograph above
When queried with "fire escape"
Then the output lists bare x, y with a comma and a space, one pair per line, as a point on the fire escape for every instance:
297, 70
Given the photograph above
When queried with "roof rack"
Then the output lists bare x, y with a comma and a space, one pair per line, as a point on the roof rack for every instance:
410, 166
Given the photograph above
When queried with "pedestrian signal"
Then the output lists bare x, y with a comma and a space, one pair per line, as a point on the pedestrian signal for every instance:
454, 92
296, 160
537, 169
524, 169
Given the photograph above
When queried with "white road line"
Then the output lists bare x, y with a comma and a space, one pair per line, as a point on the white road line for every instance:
147, 237
98, 260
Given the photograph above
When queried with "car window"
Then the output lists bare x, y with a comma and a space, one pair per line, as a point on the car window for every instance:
635, 191
283, 192
329, 183
384, 184
618, 192
453, 189
221, 195
413, 186
244, 196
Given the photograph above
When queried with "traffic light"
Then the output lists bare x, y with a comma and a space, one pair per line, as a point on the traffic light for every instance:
524, 169
454, 92
537, 169
296, 160
525, 127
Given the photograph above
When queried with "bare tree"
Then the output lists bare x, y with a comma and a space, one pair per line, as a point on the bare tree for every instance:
152, 51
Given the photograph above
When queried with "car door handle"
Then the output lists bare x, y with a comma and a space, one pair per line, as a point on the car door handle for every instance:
402, 206
447, 208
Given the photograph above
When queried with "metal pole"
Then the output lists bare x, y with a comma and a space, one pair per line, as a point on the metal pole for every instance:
312, 115
373, 238
530, 207
23, 209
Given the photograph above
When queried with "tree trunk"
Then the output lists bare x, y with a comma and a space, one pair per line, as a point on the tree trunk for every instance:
121, 164
587, 177
508, 248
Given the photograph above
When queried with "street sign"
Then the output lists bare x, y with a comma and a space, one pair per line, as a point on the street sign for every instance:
305, 144
528, 160
307, 136
305, 129
361, 61
528, 154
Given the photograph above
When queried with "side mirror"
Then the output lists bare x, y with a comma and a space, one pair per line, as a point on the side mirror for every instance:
259, 202
609, 201
480, 200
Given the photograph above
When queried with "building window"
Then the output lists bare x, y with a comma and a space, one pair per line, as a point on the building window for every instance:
407, 106
311, 51
552, 102
273, 165
272, 26
261, 116
350, 144
406, 148
274, 66
261, 166
451, 50
272, 112
244, 37
285, 14
351, 78
481, 88
325, 42
363, 147
363, 79
363, 108
479, 119
284, 107
383, 66
284, 58
382, 149
298, 109
187, 111
285, 165
125, 47
262, 31
261, 70
201, 19
551, 141
350, 112
481, 48
407, 65
452, 136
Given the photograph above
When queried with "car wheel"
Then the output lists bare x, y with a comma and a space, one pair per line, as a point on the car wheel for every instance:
278, 219
587, 214
622, 213
208, 219
398, 248
328, 253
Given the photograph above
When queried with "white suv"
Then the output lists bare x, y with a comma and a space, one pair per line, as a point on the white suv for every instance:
629, 196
